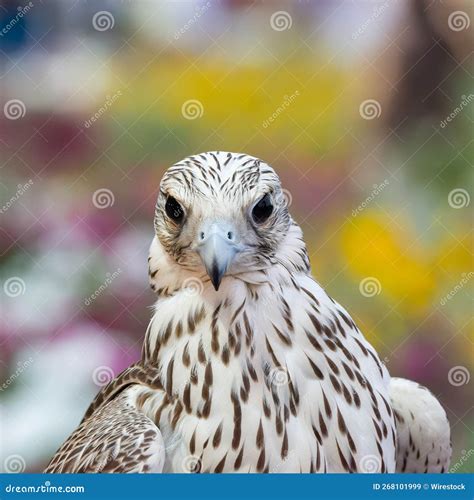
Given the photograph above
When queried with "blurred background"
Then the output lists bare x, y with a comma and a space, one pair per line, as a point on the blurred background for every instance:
365, 110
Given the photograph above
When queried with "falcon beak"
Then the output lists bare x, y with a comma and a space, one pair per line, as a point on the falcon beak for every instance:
217, 248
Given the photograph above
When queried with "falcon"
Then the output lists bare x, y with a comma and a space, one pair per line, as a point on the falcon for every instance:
248, 365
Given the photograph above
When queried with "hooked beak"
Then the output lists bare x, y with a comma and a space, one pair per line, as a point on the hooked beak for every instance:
217, 248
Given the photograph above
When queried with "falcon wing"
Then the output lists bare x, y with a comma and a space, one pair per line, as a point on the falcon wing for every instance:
117, 437
423, 432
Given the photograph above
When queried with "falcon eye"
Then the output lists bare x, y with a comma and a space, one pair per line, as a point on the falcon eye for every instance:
174, 210
263, 209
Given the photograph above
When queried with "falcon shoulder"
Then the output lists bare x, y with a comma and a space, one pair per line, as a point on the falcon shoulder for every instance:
423, 431
114, 436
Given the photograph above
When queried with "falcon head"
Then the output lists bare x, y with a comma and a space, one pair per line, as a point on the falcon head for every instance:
220, 214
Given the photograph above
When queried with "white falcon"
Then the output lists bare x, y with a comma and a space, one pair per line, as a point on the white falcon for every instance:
248, 365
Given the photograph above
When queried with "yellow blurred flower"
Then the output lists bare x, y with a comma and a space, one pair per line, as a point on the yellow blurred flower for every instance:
373, 247
242, 106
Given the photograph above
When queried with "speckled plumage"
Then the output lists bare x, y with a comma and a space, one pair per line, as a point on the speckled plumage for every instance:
267, 374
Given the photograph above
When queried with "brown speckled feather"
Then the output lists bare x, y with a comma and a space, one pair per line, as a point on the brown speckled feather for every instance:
115, 438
